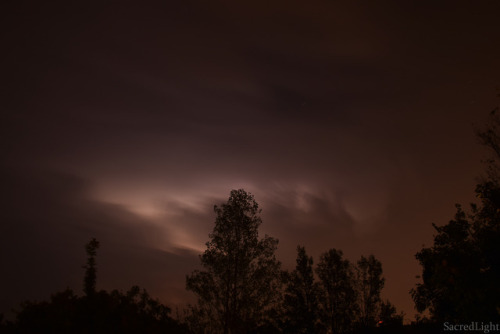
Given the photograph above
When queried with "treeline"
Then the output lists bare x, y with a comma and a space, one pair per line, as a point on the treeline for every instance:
242, 288
344, 299
461, 270
95, 312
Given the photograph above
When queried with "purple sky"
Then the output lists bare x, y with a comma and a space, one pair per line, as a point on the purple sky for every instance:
352, 124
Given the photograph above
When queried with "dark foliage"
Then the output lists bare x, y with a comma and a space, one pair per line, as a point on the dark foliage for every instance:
114, 312
240, 286
89, 285
301, 306
461, 270
96, 312
338, 297
388, 317
370, 283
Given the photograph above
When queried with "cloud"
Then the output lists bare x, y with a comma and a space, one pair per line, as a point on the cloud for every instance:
309, 219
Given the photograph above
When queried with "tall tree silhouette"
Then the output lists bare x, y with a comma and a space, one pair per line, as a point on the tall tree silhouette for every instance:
96, 312
339, 300
89, 284
461, 270
240, 281
301, 296
370, 284
454, 286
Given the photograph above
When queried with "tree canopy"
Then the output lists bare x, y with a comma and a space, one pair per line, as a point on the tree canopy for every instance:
96, 312
301, 306
89, 285
370, 284
461, 270
240, 283
339, 294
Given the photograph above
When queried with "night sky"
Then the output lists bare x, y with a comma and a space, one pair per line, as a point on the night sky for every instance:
352, 123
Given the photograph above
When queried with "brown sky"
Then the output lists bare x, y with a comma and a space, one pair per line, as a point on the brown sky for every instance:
351, 123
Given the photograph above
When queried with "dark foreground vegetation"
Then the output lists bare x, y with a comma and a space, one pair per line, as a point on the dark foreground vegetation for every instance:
242, 288
461, 271
95, 312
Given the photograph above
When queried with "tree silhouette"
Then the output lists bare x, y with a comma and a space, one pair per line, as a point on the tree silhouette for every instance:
301, 309
370, 284
240, 283
461, 270
96, 312
388, 316
339, 298
89, 285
